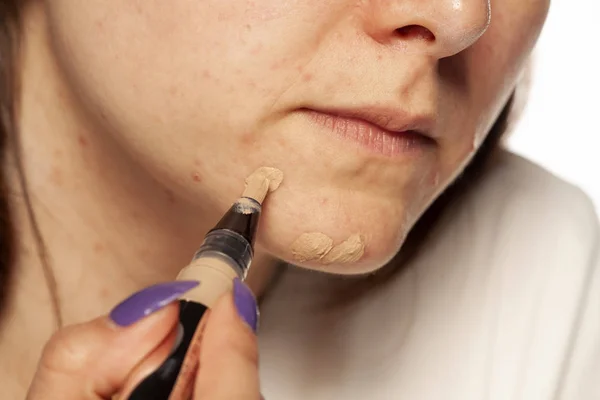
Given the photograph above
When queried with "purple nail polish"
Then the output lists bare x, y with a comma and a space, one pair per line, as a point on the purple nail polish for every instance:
245, 303
149, 300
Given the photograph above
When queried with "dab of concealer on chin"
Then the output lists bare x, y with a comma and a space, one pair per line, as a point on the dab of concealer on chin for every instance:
317, 246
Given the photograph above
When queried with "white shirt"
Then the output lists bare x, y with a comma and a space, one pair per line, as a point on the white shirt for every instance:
502, 304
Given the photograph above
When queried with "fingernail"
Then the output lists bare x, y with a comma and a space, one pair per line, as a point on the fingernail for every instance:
149, 300
245, 303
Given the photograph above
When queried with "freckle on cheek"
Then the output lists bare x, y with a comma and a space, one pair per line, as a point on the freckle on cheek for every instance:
83, 142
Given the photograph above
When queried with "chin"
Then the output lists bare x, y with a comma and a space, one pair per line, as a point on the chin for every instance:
332, 231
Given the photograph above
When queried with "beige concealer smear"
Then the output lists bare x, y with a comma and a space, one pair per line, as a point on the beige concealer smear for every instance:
311, 246
261, 182
350, 250
317, 246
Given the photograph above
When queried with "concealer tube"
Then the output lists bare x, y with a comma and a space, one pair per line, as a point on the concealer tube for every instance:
225, 254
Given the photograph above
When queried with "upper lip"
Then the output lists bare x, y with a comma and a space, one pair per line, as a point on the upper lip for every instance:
391, 119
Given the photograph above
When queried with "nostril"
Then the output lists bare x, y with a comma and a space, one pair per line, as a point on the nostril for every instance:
415, 32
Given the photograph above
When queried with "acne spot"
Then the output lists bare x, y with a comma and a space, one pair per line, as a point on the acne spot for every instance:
103, 294
170, 196
379, 57
307, 77
56, 176
136, 216
248, 139
83, 142
324, 201
206, 74
196, 177
281, 141
279, 64
144, 254
434, 179
256, 49
98, 248
173, 91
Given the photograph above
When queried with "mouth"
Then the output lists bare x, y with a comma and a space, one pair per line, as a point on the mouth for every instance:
384, 132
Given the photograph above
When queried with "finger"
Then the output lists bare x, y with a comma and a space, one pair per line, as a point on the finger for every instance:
149, 364
229, 350
92, 360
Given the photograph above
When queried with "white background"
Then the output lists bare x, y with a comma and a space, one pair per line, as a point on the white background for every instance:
560, 127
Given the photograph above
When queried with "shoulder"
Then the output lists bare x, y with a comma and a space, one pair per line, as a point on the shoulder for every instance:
563, 230
519, 198
521, 249
521, 177
527, 225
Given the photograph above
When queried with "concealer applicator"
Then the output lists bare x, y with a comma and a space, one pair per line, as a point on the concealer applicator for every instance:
225, 254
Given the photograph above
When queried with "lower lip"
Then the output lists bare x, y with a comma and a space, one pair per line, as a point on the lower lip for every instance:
371, 137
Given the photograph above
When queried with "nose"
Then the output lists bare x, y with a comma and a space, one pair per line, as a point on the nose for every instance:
440, 28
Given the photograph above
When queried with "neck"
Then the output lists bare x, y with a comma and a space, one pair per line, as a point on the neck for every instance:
108, 227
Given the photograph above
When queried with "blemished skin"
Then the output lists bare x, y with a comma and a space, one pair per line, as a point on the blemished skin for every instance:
140, 120
197, 95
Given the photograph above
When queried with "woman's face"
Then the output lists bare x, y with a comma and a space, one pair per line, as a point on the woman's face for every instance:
369, 107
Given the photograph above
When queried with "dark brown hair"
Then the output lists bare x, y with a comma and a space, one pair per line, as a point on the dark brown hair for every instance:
9, 19
9, 37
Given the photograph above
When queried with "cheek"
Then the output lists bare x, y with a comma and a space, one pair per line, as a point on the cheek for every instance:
496, 62
189, 77
159, 56
481, 79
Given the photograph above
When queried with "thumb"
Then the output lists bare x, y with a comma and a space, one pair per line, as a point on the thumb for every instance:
92, 360
229, 350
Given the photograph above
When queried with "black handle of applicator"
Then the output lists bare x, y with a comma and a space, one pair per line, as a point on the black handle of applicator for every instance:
232, 237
